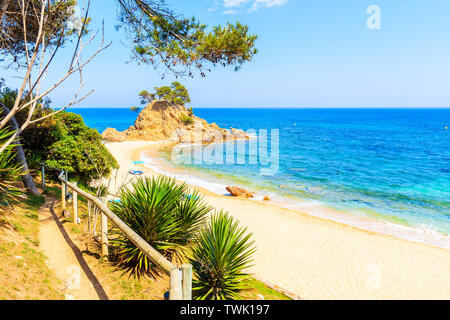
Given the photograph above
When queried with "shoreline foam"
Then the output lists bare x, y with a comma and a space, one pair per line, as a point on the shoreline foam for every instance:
313, 207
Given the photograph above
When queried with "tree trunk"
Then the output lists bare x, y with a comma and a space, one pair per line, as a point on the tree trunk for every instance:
3, 6
20, 158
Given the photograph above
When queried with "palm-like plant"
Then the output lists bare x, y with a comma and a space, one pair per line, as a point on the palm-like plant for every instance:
160, 212
191, 212
10, 172
221, 254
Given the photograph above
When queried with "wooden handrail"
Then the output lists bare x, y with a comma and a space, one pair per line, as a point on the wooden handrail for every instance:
180, 281
149, 251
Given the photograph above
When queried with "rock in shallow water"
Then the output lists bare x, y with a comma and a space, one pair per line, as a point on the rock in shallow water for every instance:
239, 192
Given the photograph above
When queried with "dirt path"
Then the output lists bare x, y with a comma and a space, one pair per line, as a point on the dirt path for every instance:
65, 258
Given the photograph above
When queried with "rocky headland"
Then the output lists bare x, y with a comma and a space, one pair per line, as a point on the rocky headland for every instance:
161, 120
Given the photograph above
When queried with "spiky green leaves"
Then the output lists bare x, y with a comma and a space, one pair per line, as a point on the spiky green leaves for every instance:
221, 254
164, 214
10, 172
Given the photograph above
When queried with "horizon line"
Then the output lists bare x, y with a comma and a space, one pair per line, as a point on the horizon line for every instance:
202, 107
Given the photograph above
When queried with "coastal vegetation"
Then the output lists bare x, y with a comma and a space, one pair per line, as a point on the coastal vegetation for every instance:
158, 210
33, 32
119, 286
146, 97
220, 255
176, 93
166, 214
10, 192
66, 143
175, 222
187, 120
183, 45
61, 141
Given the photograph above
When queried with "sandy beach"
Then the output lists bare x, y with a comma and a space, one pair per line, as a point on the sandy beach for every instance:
316, 258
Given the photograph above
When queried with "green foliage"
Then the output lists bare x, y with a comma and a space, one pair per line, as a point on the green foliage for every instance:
164, 93
221, 253
181, 45
176, 93
8, 97
146, 97
187, 120
159, 211
180, 94
62, 141
66, 143
35, 159
10, 172
60, 24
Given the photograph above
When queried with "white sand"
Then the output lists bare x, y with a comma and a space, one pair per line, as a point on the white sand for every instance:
316, 258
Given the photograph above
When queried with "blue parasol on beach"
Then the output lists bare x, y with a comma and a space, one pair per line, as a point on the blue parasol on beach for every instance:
190, 197
135, 171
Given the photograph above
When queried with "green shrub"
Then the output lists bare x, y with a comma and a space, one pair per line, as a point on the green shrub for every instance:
187, 120
62, 141
163, 214
221, 253
66, 143
176, 93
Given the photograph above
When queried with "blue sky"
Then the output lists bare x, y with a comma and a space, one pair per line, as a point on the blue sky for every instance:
312, 54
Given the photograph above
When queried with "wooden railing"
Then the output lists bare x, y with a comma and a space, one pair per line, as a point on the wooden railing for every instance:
180, 278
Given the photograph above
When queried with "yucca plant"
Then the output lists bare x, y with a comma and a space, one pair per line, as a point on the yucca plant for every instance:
220, 256
160, 212
10, 172
191, 212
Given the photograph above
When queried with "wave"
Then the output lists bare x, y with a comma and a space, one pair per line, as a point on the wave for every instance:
362, 218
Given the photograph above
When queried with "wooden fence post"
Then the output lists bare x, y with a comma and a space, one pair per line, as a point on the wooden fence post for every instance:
176, 289
175, 285
187, 281
105, 252
43, 177
67, 179
75, 205
63, 196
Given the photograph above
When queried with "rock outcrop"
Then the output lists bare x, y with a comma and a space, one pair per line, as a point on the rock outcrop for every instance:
162, 120
239, 192
113, 135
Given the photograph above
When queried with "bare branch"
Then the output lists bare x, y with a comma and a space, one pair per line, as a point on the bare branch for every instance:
41, 12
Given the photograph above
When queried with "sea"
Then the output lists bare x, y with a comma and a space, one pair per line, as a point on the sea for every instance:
391, 166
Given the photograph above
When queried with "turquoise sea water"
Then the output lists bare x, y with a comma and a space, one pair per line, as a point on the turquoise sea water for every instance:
390, 164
